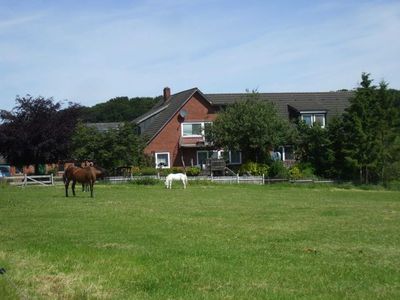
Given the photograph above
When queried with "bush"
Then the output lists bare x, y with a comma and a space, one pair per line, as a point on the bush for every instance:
295, 173
175, 170
52, 171
278, 170
193, 171
135, 171
148, 171
254, 169
307, 171
393, 185
146, 181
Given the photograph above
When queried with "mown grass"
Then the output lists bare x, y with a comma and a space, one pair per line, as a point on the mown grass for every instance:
205, 242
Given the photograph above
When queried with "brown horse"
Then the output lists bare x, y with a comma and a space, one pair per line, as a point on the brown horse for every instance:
100, 174
85, 175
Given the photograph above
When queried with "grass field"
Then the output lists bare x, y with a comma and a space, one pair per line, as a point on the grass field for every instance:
205, 242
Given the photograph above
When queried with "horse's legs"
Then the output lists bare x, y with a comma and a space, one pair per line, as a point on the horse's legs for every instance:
184, 183
83, 187
91, 184
73, 187
66, 183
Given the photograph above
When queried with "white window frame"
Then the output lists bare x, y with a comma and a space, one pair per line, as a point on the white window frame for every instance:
283, 149
156, 160
235, 163
203, 125
229, 152
201, 151
313, 114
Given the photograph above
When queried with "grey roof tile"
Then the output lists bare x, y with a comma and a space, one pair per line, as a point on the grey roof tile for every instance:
102, 127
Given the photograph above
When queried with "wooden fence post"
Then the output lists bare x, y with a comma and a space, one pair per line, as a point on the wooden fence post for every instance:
238, 180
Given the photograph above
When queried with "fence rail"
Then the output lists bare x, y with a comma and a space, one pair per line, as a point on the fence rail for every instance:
25, 180
50, 180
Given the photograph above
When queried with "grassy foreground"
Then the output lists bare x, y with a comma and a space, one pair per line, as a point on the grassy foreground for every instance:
206, 242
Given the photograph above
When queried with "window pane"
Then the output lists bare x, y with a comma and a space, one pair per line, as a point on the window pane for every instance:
196, 129
191, 129
162, 159
202, 157
187, 129
235, 157
320, 119
307, 119
289, 154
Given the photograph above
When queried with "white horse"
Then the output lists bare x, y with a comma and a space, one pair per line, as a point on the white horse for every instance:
178, 176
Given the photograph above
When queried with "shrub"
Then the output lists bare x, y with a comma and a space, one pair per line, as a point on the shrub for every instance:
164, 172
135, 171
393, 185
175, 170
148, 171
253, 168
146, 181
307, 170
295, 173
193, 171
52, 171
278, 170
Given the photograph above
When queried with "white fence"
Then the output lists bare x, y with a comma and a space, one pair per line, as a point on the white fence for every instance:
25, 180
239, 179
50, 180
218, 179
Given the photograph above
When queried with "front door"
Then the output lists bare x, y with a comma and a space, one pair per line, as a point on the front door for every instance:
202, 156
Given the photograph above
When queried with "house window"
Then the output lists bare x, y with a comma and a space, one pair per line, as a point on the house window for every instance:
231, 157
307, 118
202, 157
235, 157
313, 118
162, 160
287, 153
195, 129
319, 119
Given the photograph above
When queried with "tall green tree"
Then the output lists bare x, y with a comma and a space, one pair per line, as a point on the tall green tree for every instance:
37, 131
313, 148
251, 126
110, 149
371, 130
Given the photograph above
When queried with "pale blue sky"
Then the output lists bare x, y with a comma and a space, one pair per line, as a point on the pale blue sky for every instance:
91, 51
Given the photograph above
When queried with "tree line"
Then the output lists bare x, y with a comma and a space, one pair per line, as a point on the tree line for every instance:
40, 130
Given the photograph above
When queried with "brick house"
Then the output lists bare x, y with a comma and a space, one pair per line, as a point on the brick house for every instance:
175, 127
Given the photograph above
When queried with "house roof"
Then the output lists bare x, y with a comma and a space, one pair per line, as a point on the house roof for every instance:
163, 112
333, 103
102, 127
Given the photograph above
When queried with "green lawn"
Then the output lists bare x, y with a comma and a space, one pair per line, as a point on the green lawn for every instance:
205, 242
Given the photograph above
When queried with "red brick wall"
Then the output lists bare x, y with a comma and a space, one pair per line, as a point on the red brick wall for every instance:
167, 140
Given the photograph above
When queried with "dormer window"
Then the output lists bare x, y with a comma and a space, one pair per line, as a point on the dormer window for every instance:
311, 118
